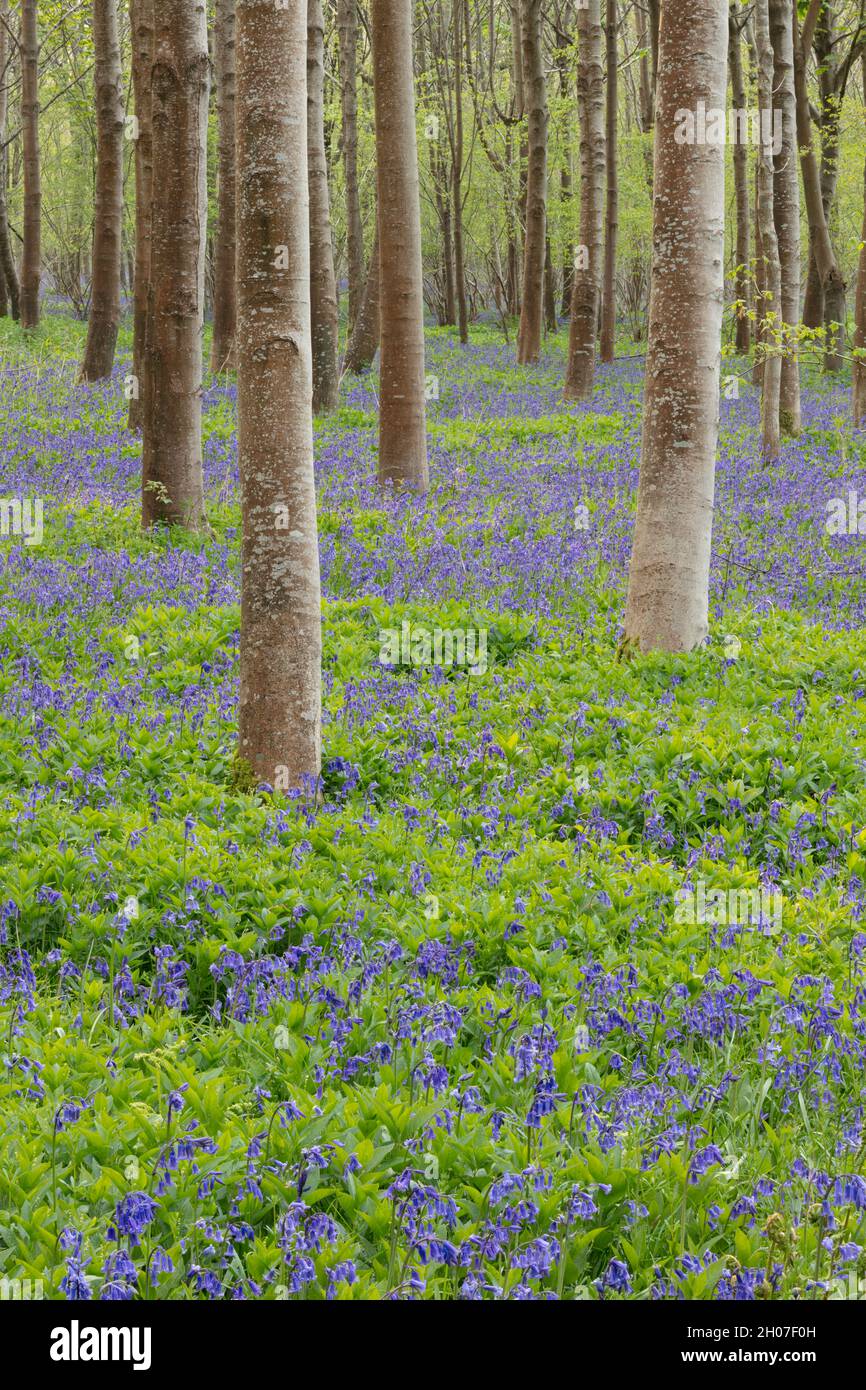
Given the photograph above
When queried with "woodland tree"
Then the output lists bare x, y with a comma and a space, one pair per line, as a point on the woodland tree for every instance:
402, 410
172, 484
587, 277
224, 293
668, 588
104, 319
31, 250
279, 734
535, 97
323, 283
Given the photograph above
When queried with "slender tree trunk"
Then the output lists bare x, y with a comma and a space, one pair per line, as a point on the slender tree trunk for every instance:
8, 274
364, 342
402, 407
279, 719
549, 290
31, 254
586, 291
742, 276
771, 270
457, 175
225, 308
172, 484
535, 88
760, 288
832, 283
786, 209
104, 318
858, 394
668, 592
347, 36
608, 322
141, 26
324, 307
563, 60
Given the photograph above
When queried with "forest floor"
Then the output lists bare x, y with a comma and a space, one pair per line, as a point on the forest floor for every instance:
560, 992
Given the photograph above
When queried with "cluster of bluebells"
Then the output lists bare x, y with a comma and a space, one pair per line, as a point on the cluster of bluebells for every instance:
527, 1037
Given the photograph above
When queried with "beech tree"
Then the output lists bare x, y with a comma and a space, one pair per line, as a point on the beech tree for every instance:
402, 409
364, 340
823, 254
742, 253
611, 222
104, 319
31, 249
172, 484
224, 293
668, 588
786, 209
347, 37
858, 394
587, 278
279, 741
770, 278
141, 39
9, 296
323, 283
535, 97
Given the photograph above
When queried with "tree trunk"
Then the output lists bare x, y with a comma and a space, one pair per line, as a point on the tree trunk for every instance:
535, 89
324, 308
771, 270
786, 210
667, 606
104, 318
31, 254
402, 408
279, 720
141, 38
608, 322
832, 283
858, 394
8, 273
586, 291
742, 275
457, 175
347, 36
225, 307
172, 484
549, 290
364, 342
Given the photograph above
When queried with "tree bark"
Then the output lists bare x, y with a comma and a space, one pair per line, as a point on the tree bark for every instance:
347, 36
858, 394
225, 307
587, 282
31, 254
770, 279
457, 176
786, 210
535, 89
667, 605
142, 39
104, 318
324, 308
608, 322
402, 407
832, 282
279, 722
8, 273
364, 341
172, 484
742, 275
